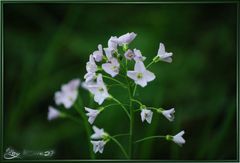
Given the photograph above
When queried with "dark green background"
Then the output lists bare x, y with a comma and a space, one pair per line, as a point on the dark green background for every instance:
45, 45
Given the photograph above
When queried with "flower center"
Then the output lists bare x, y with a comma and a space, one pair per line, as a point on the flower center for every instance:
139, 75
101, 89
130, 55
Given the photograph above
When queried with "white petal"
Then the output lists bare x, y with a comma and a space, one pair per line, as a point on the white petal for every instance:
149, 76
139, 66
108, 52
169, 60
126, 38
178, 139
112, 42
132, 75
142, 115
149, 117
99, 99
52, 113
99, 79
142, 82
161, 49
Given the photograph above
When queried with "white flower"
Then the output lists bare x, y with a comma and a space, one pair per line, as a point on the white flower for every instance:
138, 55
163, 55
53, 113
146, 115
112, 43
109, 53
89, 76
112, 67
169, 114
68, 94
92, 114
98, 133
140, 75
98, 146
98, 54
129, 54
99, 90
178, 139
126, 38
91, 65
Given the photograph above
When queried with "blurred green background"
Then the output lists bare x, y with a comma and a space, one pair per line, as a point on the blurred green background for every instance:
46, 45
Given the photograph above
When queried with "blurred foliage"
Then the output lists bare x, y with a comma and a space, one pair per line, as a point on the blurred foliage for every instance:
46, 45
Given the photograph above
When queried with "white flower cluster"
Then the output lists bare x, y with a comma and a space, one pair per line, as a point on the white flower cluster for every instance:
109, 60
112, 63
66, 97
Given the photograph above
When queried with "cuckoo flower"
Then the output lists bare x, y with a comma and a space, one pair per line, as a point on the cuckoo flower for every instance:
169, 114
126, 38
140, 74
138, 55
178, 139
92, 114
99, 90
89, 76
163, 55
109, 53
68, 94
52, 113
112, 43
98, 146
98, 54
112, 68
146, 115
91, 65
129, 54
98, 133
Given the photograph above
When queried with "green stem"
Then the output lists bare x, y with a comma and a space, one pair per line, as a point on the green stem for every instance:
134, 90
124, 108
137, 101
120, 146
150, 63
118, 135
115, 80
131, 120
148, 138
112, 105
86, 125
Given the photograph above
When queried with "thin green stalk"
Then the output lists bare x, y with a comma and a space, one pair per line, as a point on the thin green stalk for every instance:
134, 90
124, 108
111, 105
150, 64
120, 146
86, 125
134, 100
115, 80
148, 138
131, 121
118, 135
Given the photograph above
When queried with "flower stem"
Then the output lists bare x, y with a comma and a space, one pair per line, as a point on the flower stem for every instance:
137, 101
150, 63
134, 90
118, 135
120, 146
131, 121
148, 138
115, 80
124, 108
78, 105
